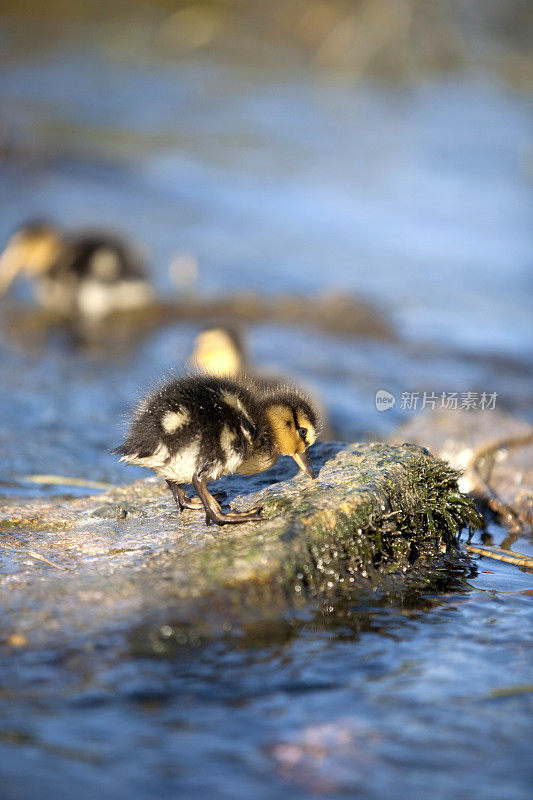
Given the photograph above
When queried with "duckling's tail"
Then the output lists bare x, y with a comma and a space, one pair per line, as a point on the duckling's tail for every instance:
122, 450
129, 450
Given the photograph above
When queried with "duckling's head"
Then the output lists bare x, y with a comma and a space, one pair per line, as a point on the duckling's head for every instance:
32, 250
294, 425
219, 350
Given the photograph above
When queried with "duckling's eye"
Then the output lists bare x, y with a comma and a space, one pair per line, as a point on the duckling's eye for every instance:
302, 432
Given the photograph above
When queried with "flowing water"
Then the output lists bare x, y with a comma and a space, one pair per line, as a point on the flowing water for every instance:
413, 197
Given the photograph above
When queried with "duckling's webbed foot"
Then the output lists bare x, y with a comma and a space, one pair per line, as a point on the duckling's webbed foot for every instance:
213, 511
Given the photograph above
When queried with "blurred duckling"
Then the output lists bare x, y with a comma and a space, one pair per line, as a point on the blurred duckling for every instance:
219, 350
200, 427
84, 276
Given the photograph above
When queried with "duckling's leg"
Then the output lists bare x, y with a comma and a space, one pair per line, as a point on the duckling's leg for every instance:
181, 497
213, 512
183, 501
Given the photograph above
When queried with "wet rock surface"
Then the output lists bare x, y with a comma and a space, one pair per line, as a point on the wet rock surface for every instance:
129, 558
493, 450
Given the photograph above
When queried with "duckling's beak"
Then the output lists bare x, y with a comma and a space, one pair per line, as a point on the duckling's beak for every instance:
304, 462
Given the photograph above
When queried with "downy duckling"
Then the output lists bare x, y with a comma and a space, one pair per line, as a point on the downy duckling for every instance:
78, 276
199, 427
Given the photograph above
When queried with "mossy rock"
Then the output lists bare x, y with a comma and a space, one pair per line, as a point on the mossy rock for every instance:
375, 512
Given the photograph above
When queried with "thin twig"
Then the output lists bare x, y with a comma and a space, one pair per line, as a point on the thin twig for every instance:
499, 554
61, 480
33, 554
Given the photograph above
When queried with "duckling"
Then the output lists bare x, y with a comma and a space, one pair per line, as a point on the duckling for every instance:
78, 276
199, 427
219, 350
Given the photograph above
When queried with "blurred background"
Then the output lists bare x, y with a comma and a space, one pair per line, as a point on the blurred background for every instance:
370, 162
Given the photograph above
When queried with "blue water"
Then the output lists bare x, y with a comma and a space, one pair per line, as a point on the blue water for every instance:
432, 698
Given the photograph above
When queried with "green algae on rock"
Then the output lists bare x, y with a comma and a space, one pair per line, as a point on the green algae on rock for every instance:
375, 512
494, 452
